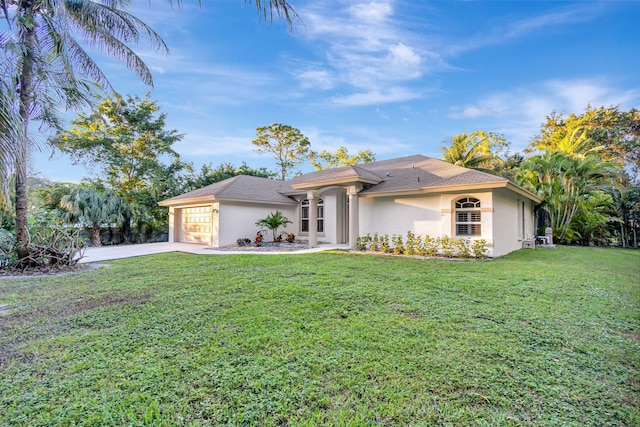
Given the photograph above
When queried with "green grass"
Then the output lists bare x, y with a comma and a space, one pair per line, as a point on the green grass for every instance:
537, 338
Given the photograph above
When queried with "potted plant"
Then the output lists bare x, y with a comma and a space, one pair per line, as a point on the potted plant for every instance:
242, 241
258, 239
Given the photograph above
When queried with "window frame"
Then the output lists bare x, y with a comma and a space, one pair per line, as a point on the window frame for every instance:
468, 217
304, 216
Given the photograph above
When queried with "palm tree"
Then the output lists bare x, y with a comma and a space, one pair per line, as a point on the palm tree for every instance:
563, 182
88, 205
273, 222
45, 65
473, 151
9, 123
576, 143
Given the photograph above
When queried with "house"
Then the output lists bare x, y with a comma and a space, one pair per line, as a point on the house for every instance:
415, 193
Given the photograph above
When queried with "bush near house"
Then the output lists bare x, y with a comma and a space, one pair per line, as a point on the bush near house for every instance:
273, 222
423, 246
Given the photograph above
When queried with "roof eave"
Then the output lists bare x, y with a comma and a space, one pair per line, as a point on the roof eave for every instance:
187, 201
265, 202
312, 185
458, 188
526, 193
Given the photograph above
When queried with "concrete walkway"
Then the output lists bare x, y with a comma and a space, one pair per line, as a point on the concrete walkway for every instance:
106, 253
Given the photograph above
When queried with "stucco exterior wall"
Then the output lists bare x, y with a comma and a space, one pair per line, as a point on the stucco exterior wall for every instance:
512, 223
397, 215
431, 215
237, 220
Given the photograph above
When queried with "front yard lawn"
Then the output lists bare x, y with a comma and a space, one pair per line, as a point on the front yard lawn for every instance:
537, 338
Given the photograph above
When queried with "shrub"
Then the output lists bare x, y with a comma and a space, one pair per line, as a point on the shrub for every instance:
411, 247
375, 243
430, 246
398, 247
480, 249
384, 244
51, 248
462, 246
447, 246
243, 241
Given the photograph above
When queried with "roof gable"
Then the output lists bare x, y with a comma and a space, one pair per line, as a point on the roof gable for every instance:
422, 172
342, 175
240, 187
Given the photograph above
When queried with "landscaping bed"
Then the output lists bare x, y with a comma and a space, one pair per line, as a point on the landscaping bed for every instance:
267, 247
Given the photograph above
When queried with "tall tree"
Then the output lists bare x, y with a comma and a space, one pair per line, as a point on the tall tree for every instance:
208, 174
564, 182
327, 160
44, 67
479, 150
613, 133
125, 141
10, 124
48, 60
288, 145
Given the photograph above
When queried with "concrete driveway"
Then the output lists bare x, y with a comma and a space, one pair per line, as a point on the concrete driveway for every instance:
106, 253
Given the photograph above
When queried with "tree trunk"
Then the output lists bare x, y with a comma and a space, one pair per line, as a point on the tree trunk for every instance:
25, 80
95, 236
125, 230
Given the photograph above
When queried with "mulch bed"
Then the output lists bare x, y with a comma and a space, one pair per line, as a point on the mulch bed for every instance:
267, 247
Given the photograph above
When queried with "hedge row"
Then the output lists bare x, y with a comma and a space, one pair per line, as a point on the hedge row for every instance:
424, 246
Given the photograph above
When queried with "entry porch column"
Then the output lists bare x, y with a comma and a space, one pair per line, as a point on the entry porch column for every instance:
313, 218
354, 224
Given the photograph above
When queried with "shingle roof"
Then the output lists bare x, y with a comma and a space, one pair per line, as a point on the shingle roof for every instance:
241, 187
344, 172
418, 172
404, 174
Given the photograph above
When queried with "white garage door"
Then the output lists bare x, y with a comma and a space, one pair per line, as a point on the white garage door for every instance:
196, 225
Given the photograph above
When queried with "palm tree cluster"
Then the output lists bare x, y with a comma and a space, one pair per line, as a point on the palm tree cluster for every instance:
584, 168
45, 67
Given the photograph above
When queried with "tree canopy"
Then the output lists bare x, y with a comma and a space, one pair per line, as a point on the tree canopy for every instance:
613, 133
288, 145
327, 160
479, 150
126, 144
209, 174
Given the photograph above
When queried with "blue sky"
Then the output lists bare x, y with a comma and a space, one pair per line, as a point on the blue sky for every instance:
396, 76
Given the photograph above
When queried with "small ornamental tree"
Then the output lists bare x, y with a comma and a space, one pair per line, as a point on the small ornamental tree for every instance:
273, 222
92, 207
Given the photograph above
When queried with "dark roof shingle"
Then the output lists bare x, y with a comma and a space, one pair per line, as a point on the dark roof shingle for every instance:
241, 187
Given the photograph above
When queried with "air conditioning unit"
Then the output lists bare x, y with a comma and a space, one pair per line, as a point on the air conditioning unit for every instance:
528, 244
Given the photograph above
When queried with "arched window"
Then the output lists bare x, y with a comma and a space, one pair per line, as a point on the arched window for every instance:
468, 217
304, 216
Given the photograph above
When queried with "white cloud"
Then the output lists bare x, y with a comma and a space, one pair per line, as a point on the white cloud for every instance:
318, 79
393, 94
559, 95
375, 11
522, 110
366, 50
502, 30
